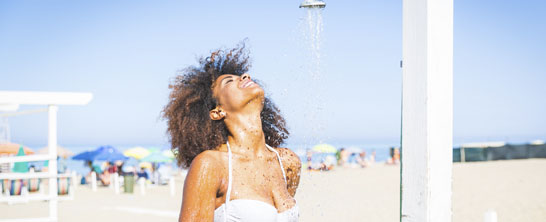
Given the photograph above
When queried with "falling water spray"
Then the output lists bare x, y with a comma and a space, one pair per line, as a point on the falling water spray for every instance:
313, 40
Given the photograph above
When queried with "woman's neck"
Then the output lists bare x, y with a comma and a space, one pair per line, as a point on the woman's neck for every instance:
246, 134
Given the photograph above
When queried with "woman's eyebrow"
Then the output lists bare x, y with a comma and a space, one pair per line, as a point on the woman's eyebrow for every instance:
231, 77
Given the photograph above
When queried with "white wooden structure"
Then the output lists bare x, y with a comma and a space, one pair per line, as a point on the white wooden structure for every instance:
427, 111
51, 99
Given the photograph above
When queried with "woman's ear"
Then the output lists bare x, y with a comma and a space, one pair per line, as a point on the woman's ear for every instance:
217, 114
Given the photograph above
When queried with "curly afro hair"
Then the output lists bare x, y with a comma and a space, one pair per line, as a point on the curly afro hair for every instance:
190, 128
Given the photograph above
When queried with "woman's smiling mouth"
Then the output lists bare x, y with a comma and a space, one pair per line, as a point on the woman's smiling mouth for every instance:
246, 83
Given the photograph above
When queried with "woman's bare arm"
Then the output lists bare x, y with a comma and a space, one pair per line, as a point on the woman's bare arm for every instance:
292, 167
200, 188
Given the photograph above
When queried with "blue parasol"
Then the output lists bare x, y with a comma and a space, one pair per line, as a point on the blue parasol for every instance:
86, 155
104, 153
110, 154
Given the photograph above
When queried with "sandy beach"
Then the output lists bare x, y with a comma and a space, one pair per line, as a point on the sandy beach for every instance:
514, 189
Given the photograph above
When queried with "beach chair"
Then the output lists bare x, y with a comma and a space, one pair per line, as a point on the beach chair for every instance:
15, 188
12, 187
34, 185
63, 185
5, 187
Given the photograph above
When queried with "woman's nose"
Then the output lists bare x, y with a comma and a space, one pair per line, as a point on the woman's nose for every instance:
245, 76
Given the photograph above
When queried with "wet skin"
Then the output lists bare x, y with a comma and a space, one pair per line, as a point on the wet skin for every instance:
256, 172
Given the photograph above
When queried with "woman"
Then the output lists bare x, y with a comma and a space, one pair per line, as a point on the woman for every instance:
222, 126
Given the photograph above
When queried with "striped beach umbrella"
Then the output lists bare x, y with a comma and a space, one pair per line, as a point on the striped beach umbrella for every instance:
157, 158
13, 148
324, 148
61, 151
137, 152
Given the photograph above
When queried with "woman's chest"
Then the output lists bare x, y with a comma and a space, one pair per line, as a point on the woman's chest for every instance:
262, 182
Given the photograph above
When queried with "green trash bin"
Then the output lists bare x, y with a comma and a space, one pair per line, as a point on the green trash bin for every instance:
128, 183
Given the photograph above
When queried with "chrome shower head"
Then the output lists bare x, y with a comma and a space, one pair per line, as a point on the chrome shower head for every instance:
312, 4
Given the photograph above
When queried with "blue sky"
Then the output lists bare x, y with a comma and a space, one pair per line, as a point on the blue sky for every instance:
126, 52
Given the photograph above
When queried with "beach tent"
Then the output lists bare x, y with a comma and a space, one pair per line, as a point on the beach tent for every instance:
61, 151
137, 152
324, 148
13, 148
20, 167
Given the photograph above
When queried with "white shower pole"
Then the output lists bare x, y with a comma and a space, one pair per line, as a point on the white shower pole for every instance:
427, 111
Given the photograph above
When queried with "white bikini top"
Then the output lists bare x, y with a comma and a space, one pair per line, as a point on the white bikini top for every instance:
244, 210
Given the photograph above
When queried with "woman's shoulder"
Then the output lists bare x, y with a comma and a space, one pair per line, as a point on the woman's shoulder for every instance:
289, 157
206, 160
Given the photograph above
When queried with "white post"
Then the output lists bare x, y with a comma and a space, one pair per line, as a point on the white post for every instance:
111, 184
74, 178
93, 181
116, 183
141, 183
52, 145
72, 186
427, 111
171, 184
490, 216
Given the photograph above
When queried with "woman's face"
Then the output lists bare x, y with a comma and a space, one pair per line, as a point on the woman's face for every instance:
234, 92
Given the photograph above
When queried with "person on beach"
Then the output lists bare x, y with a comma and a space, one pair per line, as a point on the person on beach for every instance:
142, 174
371, 160
223, 127
395, 156
362, 161
343, 157
111, 168
104, 177
309, 156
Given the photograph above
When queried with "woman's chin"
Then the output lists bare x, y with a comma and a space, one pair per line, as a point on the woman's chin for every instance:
257, 96
256, 91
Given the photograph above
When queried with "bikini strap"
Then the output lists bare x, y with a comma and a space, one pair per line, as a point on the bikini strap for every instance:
229, 182
280, 162
230, 178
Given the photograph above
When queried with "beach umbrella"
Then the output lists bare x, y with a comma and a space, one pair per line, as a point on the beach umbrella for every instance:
20, 167
324, 148
104, 153
157, 158
13, 148
85, 155
110, 154
154, 150
168, 153
61, 151
137, 152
